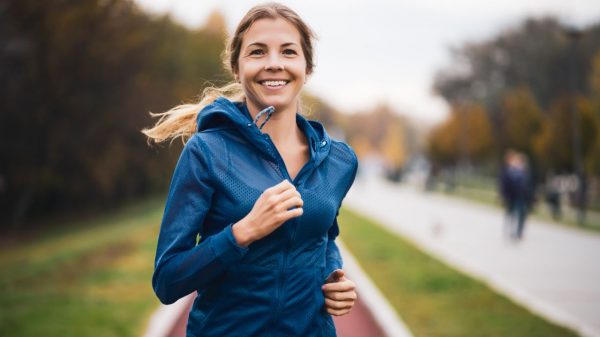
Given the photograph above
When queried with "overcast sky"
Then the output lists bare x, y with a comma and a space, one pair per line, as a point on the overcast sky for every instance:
388, 51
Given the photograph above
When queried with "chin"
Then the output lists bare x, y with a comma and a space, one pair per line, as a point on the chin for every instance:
279, 103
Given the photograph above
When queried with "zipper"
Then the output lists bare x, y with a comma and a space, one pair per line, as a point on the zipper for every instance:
294, 224
295, 182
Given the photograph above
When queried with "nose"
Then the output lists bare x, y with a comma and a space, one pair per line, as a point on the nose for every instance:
274, 62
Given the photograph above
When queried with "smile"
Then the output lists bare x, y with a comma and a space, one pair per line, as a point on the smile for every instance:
273, 84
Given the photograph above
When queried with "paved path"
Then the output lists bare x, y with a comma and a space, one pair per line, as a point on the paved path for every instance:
554, 271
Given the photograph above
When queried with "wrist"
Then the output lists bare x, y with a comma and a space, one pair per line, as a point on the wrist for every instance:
241, 233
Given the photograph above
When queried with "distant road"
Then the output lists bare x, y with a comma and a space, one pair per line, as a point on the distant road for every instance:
554, 271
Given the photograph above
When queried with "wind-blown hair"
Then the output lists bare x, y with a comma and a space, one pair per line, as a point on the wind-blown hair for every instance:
180, 121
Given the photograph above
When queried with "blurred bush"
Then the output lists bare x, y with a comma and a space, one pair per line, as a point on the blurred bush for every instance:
77, 80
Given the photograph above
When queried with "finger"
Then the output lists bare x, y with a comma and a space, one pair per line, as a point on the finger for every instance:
282, 186
285, 216
341, 296
338, 305
336, 312
346, 285
289, 193
294, 201
273, 201
335, 276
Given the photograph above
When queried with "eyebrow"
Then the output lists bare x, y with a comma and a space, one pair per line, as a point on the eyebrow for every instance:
260, 44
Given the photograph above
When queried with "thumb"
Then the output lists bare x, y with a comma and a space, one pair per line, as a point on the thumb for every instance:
335, 276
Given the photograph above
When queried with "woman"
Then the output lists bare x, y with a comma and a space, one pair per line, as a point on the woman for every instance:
250, 220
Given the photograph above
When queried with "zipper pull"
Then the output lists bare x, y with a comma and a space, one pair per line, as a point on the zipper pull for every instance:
269, 111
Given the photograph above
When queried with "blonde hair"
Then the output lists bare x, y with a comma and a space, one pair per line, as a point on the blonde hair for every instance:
180, 121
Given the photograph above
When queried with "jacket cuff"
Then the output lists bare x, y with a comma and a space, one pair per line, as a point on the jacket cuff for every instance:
226, 248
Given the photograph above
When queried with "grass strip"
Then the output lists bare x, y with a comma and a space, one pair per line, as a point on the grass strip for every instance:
91, 281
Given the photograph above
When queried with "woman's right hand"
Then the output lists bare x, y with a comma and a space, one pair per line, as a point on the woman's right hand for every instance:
269, 212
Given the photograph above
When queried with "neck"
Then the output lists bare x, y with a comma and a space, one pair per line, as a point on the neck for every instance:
281, 127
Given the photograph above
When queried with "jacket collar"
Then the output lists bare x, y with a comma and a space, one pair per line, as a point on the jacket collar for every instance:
223, 112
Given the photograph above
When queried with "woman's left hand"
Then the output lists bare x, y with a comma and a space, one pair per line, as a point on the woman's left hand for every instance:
339, 293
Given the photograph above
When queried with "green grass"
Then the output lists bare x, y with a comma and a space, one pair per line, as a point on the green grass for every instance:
92, 280
433, 299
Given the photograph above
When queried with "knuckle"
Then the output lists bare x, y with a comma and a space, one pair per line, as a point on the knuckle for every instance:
273, 199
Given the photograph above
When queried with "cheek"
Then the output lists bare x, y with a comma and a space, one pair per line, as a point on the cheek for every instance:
247, 70
298, 69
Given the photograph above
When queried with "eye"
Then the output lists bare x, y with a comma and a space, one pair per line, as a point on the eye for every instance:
289, 52
256, 52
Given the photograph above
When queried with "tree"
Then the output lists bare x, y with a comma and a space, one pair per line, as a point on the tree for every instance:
465, 135
77, 79
553, 147
381, 131
534, 54
523, 119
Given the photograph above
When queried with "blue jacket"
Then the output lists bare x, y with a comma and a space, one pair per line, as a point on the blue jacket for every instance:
272, 287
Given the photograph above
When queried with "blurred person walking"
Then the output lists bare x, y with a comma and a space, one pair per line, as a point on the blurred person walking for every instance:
516, 192
552, 193
251, 217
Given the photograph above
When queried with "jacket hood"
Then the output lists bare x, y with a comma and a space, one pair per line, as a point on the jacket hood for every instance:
225, 113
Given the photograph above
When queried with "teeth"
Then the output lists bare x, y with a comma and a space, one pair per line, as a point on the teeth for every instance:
274, 83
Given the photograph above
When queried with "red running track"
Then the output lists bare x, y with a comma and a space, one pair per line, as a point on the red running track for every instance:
358, 323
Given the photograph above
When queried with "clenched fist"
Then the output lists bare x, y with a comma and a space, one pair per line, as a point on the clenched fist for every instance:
339, 293
276, 205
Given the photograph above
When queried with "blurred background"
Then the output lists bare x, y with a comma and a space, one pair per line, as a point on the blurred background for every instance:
430, 94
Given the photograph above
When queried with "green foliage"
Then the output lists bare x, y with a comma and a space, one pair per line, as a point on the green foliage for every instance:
433, 299
77, 79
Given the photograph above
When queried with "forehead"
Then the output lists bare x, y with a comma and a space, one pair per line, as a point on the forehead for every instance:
271, 32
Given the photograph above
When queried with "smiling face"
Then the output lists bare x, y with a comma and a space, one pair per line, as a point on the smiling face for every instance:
272, 66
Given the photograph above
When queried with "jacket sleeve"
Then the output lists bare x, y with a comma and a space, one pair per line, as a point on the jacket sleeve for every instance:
181, 265
333, 257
